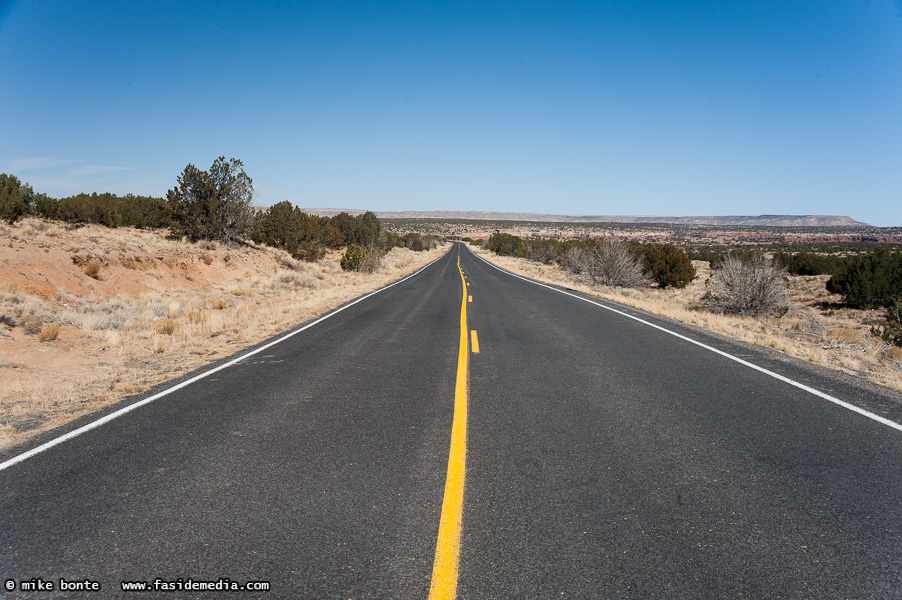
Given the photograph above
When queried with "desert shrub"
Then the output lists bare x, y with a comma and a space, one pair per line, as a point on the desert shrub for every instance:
92, 268
751, 285
545, 251
666, 264
608, 262
505, 244
389, 239
808, 263
208, 260
358, 258
311, 251
49, 333
890, 330
31, 324
166, 326
412, 241
869, 280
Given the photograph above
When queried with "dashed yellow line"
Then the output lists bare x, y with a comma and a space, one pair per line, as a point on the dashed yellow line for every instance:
470, 299
447, 551
475, 341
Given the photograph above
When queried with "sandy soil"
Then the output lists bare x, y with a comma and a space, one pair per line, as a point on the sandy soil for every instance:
90, 315
816, 328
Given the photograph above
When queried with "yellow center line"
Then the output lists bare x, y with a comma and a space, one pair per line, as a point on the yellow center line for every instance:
447, 551
475, 343
470, 299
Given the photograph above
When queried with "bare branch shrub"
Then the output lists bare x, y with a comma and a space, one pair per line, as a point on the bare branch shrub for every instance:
752, 285
609, 263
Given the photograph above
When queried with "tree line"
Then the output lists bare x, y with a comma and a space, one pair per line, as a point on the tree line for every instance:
216, 205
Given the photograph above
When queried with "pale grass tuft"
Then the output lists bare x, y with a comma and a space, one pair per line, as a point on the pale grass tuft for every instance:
113, 339
166, 327
296, 280
49, 333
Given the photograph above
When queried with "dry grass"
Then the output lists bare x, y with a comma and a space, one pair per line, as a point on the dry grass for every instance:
816, 328
92, 268
159, 311
49, 333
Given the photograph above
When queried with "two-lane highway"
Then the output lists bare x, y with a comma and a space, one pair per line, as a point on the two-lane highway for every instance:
605, 458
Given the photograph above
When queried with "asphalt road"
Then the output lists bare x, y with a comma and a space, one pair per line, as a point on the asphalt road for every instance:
604, 459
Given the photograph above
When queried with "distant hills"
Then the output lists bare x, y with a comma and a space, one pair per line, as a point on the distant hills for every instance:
759, 221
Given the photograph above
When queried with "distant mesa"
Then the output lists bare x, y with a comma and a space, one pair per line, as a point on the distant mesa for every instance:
759, 221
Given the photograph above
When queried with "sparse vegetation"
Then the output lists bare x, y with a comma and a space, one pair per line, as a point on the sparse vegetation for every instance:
814, 327
750, 285
157, 312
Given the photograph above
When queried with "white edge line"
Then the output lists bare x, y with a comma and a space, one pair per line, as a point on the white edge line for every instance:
801, 386
115, 415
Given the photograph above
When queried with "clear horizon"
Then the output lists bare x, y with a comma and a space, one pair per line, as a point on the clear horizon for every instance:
580, 108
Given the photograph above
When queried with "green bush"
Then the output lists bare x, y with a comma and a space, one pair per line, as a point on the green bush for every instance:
358, 258
890, 330
869, 280
505, 244
14, 198
545, 251
666, 264
807, 263
286, 226
412, 241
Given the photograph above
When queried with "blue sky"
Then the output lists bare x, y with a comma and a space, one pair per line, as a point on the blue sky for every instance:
641, 108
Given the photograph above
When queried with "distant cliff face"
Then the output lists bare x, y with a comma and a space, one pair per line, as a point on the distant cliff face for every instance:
759, 221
